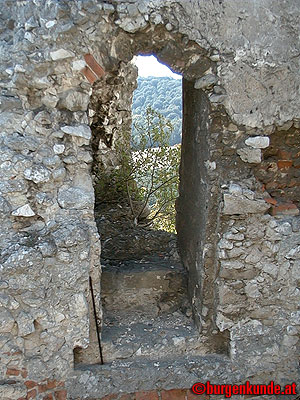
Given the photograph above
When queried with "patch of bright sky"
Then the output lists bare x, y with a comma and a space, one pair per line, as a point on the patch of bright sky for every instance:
149, 66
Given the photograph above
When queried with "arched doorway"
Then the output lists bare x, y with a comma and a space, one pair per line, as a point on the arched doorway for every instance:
111, 109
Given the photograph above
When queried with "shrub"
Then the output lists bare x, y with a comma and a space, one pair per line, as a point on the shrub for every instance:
148, 173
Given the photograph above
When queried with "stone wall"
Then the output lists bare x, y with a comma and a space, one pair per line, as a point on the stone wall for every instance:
66, 88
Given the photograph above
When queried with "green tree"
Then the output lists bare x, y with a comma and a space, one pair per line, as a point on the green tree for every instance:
156, 173
163, 94
148, 172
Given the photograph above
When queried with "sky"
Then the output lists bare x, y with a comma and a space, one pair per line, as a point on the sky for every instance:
149, 66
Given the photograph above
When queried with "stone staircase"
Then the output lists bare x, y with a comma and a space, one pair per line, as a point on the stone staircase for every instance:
146, 311
148, 336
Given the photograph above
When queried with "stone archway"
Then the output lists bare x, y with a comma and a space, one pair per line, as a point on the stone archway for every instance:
110, 110
247, 261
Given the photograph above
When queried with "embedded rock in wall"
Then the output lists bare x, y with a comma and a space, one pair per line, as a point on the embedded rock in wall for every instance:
75, 198
250, 155
258, 142
24, 211
243, 201
64, 106
75, 101
79, 130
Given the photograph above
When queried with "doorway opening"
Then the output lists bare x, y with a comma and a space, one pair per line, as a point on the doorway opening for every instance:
150, 296
156, 139
146, 312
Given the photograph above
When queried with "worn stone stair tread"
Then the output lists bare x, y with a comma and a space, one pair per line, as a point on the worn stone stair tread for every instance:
156, 338
151, 285
179, 371
140, 265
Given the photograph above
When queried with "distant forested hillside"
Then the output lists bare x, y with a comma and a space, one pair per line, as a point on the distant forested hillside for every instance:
164, 95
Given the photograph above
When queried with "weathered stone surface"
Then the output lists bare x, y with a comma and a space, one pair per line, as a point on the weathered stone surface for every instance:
132, 25
9, 391
49, 100
286, 126
149, 286
47, 247
78, 65
258, 142
75, 198
248, 285
25, 323
123, 372
43, 118
60, 54
83, 131
233, 264
4, 206
23, 211
9, 103
284, 229
249, 155
206, 81
225, 244
59, 174
241, 205
235, 189
75, 101
294, 253
270, 268
58, 148
41, 82
52, 162
251, 289
37, 174
217, 98
22, 258
6, 321
17, 142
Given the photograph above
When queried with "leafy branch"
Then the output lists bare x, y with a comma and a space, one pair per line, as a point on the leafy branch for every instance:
148, 173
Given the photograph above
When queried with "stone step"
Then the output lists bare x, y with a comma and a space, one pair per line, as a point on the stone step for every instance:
150, 286
97, 381
134, 336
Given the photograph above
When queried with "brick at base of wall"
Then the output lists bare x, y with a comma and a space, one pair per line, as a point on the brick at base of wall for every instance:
48, 389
